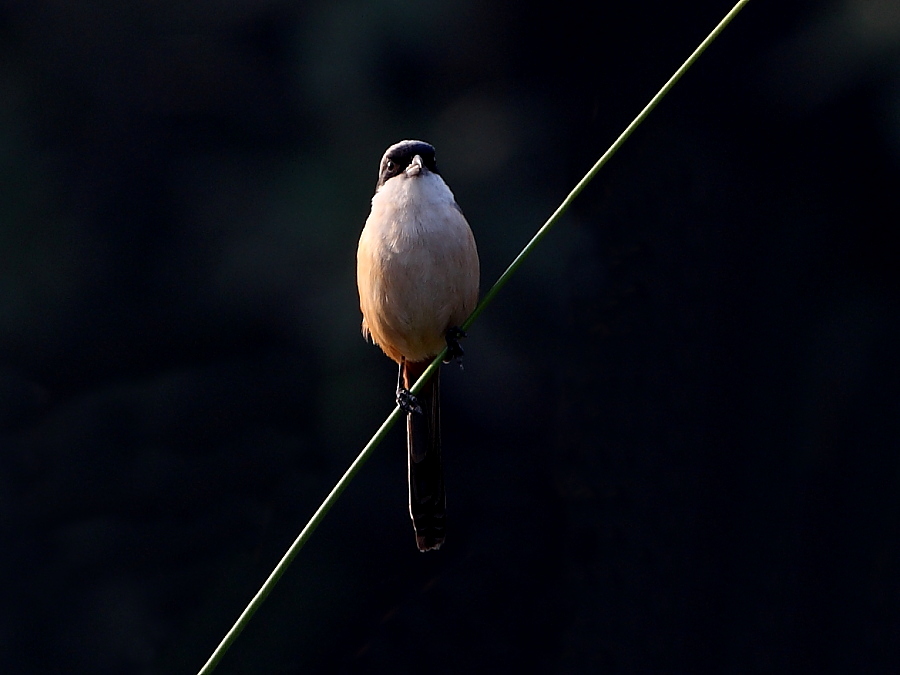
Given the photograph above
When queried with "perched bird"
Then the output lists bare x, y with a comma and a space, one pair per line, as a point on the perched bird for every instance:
417, 273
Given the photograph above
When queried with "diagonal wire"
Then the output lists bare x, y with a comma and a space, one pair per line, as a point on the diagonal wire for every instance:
332, 497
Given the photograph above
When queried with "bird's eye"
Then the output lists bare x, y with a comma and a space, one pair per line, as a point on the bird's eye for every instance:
390, 166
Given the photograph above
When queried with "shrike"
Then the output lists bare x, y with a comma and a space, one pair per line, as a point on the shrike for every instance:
417, 273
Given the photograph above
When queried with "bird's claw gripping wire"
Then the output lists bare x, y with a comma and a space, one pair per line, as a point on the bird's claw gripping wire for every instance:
406, 400
454, 349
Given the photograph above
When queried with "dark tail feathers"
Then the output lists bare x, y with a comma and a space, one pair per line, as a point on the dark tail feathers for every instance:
427, 500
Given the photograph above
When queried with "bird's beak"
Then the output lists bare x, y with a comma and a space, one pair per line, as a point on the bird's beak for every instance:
415, 166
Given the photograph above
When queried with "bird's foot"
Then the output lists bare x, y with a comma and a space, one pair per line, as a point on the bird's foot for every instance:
407, 401
454, 349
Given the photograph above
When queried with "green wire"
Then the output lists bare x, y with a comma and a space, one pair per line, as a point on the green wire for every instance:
332, 497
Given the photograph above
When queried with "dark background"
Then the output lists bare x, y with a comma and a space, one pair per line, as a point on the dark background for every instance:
674, 445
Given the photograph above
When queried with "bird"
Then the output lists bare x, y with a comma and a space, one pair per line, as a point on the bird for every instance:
417, 273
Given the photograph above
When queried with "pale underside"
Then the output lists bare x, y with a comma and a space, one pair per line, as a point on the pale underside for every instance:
417, 267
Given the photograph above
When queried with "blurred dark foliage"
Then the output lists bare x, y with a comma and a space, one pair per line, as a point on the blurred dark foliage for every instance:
674, 446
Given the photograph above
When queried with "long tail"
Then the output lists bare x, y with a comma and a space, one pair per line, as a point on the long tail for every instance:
427, 500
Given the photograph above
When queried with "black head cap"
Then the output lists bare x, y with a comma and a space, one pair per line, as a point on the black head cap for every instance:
397, 158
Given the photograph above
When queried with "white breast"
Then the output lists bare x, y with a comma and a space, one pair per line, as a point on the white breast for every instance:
417, 267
